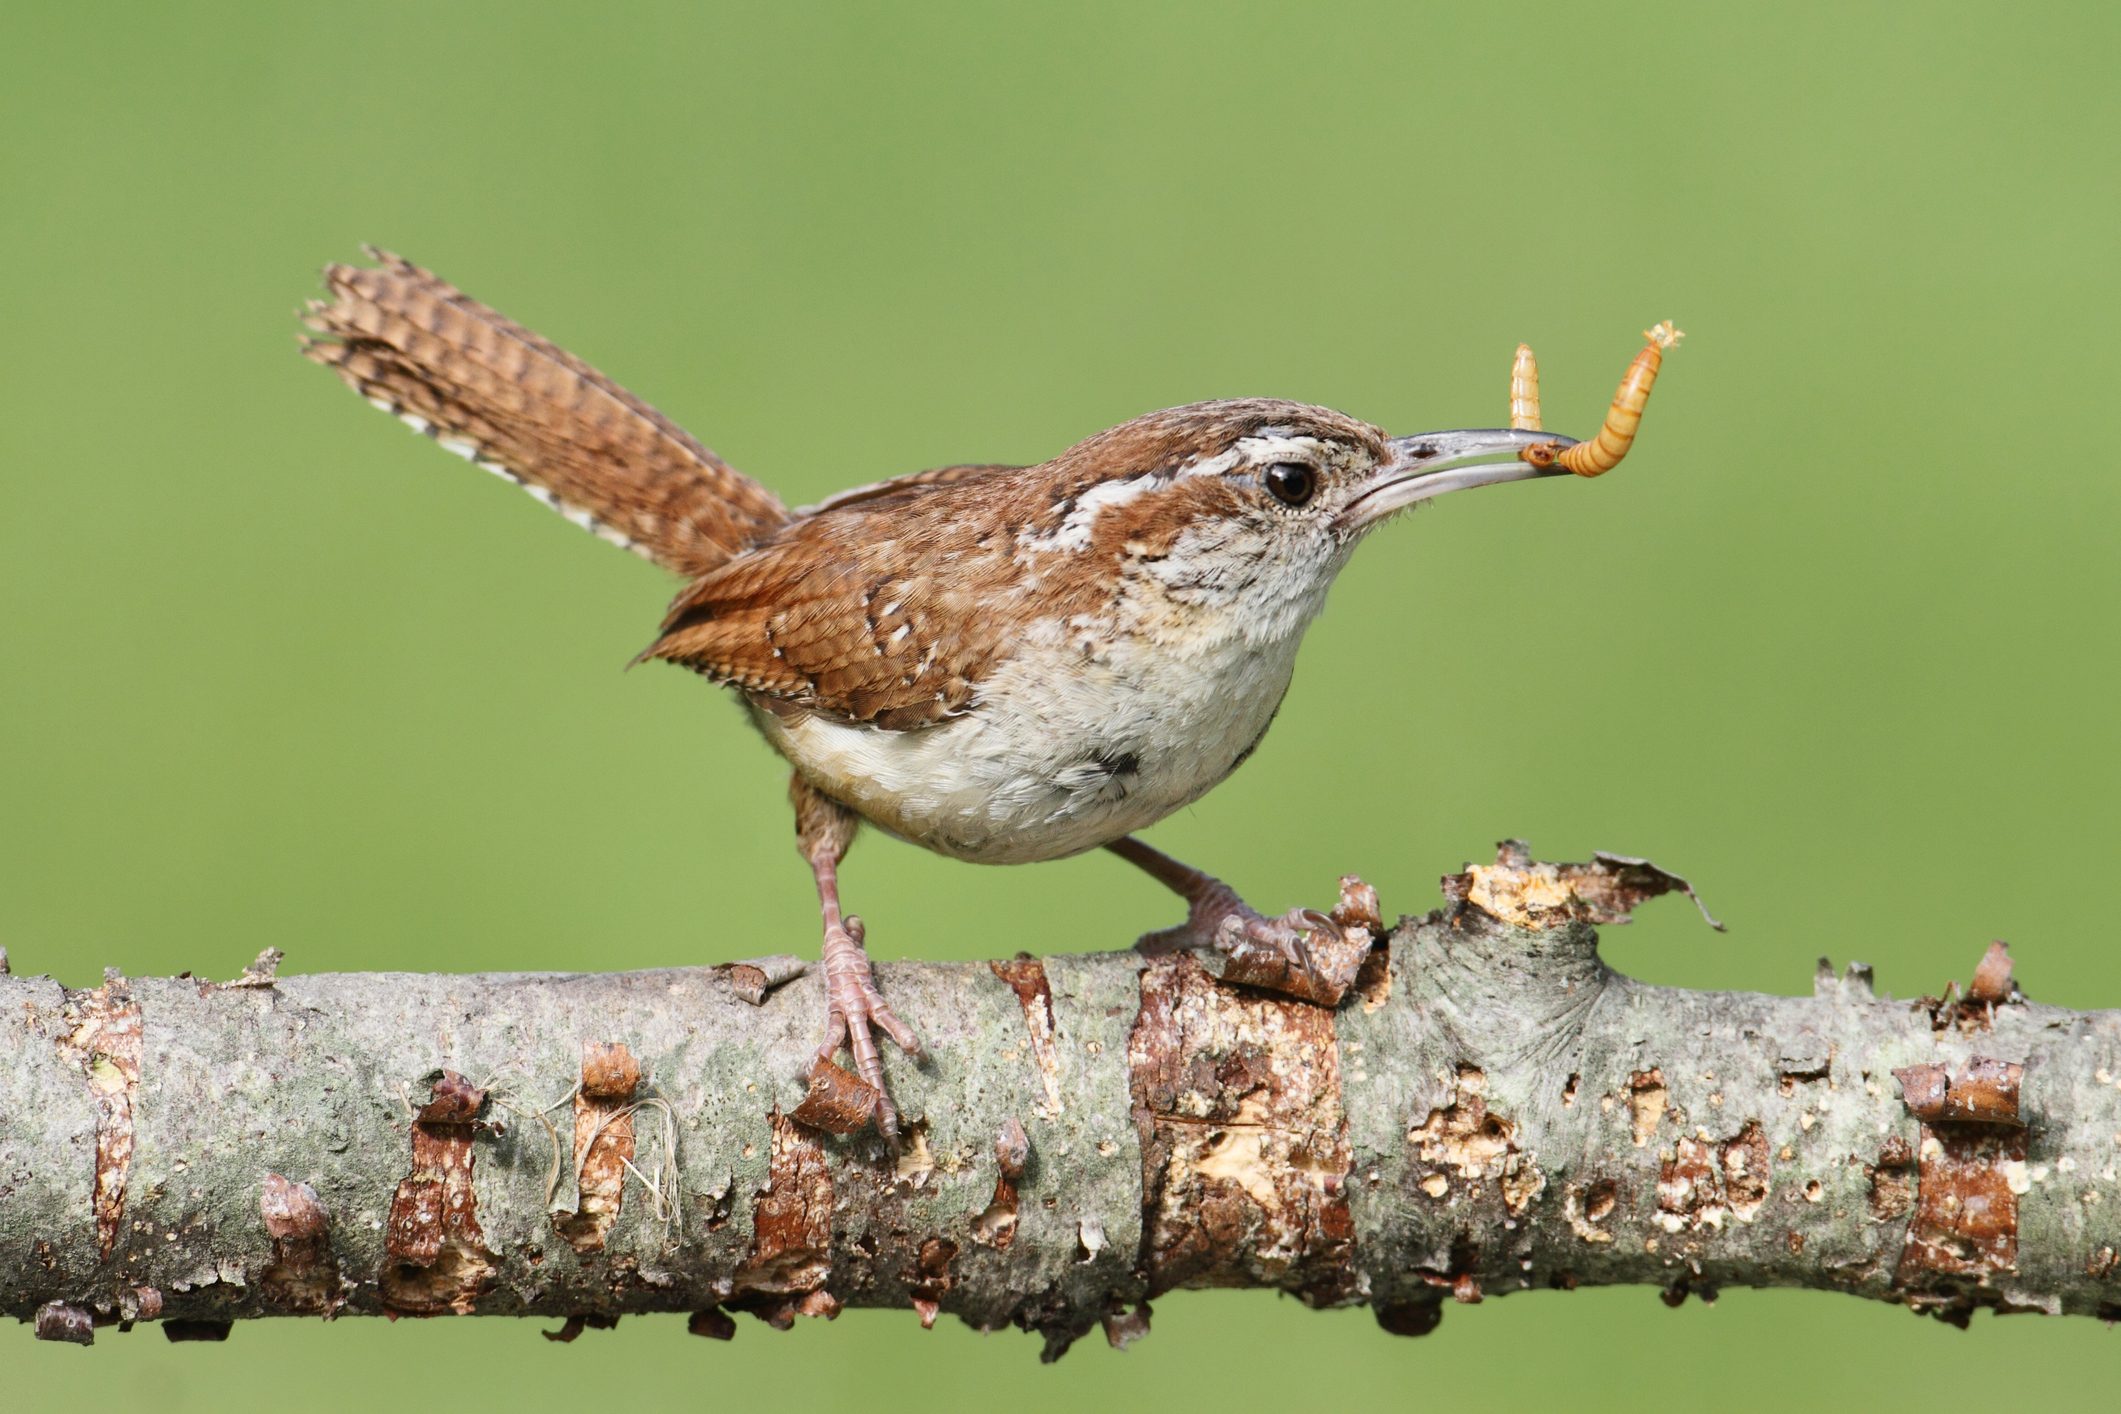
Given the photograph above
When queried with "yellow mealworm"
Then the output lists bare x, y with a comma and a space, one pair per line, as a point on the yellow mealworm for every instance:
1603, 452
1524, 391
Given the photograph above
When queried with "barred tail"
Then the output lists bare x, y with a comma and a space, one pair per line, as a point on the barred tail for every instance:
505, 399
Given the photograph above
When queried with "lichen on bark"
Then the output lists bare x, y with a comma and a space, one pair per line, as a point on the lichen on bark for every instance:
1487, 1109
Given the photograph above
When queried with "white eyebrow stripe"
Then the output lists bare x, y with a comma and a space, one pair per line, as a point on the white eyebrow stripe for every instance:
1269, 446
1075, 529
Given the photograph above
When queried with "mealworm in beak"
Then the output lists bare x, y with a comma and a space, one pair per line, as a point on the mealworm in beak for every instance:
1524, 391
1603, 452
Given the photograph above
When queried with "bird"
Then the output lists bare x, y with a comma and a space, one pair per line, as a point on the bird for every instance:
1003, 664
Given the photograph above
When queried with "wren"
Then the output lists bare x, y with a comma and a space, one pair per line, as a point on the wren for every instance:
1000, 663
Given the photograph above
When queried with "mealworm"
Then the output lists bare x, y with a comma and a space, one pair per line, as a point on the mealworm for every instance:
1524, 391
1603, 452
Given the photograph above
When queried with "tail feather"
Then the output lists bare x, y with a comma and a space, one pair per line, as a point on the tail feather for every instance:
524, 408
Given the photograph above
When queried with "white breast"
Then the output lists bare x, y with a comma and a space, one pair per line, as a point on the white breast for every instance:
1058, 755
1099, 726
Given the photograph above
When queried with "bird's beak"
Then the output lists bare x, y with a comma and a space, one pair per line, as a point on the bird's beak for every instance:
1424, 467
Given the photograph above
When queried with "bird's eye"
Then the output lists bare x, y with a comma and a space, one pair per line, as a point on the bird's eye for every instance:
1292, 483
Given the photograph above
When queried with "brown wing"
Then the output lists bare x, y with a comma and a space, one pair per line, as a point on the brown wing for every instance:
877, 490
529, 410
827, 617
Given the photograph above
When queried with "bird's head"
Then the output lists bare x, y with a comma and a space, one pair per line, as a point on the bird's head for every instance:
1250, 507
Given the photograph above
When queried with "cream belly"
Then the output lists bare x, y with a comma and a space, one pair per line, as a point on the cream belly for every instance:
1059, 755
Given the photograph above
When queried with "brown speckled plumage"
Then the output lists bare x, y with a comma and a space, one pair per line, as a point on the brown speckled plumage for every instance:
890, 604
528, 409
999, 663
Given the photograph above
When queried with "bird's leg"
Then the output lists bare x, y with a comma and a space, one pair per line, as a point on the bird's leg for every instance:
824, 829
1216, 917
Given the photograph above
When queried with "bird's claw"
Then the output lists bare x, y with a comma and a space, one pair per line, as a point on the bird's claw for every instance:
1259, 946
854, 1010
1243, 936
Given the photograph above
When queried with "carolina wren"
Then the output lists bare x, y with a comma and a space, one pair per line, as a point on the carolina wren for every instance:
1001, 663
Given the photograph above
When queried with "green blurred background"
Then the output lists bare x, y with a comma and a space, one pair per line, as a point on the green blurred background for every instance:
1835, 642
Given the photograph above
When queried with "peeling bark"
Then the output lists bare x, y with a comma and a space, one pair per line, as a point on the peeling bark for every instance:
791, 1248
603, 1145
1488, 1109
838, 1101
436, 1257
1026, 977
1244, 1142
303, 1276
104, 1041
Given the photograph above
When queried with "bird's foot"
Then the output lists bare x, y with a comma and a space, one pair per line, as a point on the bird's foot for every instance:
1255, 942
1303, 953
854, 1010
1217, 918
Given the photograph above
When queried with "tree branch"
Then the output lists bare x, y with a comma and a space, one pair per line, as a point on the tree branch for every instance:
1489, 1109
